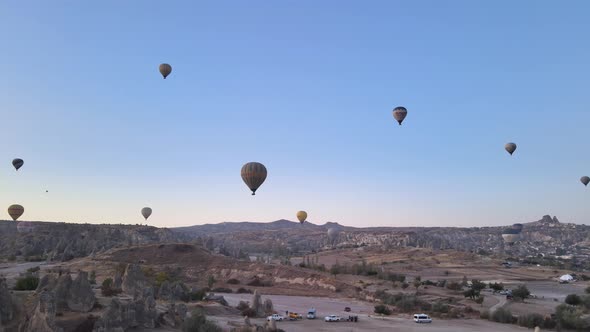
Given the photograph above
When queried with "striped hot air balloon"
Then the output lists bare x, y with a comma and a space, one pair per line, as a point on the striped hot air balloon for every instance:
399, 114
253, 174
15, 211
165, 70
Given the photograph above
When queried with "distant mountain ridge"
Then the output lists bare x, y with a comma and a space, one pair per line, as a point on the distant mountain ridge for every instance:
64, 241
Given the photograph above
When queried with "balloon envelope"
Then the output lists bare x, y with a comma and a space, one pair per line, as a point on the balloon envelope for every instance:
17, 163
510, 147
146, 212
253, 174
165, 70
517, 227
302, 216
399, 114
15, 211
585, 180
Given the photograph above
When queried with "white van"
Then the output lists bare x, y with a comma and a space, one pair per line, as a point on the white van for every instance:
422, 318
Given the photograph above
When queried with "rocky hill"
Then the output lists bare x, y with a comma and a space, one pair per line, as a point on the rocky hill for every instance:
64, 241
546, 236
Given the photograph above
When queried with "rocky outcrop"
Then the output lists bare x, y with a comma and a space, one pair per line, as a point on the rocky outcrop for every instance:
47, 282
69, 295
64, 241
175, 315
257, 304
61, 291
164, 293
43, 318
80, 295
118, 281
6, 308
134, 281
176, 291
138, 314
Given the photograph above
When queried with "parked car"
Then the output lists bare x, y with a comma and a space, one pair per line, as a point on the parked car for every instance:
422, 318
347, 309
275, 317
311, 313
294, 316
332, 318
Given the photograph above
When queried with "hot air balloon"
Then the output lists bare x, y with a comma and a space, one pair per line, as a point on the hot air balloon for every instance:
510, 147
165, 70
146, 212
585, 180
17, 163
302, 215
25, 227
333, 234
399, 114
15, 211
253, 174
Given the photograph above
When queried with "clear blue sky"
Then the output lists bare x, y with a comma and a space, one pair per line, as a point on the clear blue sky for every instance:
307, 88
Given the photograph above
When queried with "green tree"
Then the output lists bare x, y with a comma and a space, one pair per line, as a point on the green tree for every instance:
210, 281
573, 299
471, 293
477, 285
92, 277
382, 309
521, 292
497, 287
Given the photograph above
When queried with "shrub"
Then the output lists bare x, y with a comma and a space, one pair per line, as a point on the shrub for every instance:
405, 285
497, 287
257, 282
570, 317
521, 292
34, 269
242, 290
453, 285
429, 283
222, 290
454, 313
210, 281
198, 322
382, 309
484, 314
479, 300
161, 277
502, 315
197, 295
440, 307
531, 320
29, 282
92, 277
107, 289
249, 312
573, 299
233, 281
588, 290
242, 305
